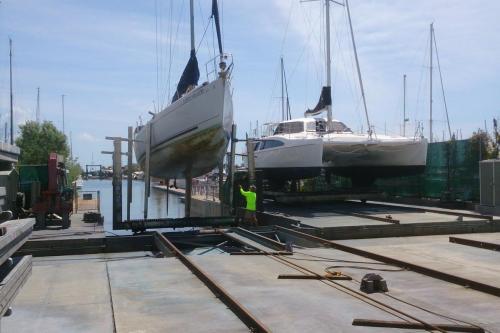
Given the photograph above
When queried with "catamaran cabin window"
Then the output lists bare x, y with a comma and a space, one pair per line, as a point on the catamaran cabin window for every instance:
291, 127
256, 147
311, 127
320, 126
270, 144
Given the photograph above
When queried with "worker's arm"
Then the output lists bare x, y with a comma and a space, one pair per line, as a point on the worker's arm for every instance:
243, 193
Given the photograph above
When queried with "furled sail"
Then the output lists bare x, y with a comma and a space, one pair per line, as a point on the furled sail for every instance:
215, 15
324, 100
189, 77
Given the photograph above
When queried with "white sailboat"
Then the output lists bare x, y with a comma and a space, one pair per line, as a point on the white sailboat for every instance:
189, 137
293, 151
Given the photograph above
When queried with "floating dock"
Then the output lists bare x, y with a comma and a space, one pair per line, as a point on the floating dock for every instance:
300, 271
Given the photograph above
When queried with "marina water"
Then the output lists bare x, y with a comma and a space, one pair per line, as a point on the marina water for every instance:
157, 201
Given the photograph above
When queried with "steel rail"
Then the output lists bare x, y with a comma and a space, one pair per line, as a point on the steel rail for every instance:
370, 217
354, 293
414, 326
268, 242
165, 246
475, 243
479, 286
432, 210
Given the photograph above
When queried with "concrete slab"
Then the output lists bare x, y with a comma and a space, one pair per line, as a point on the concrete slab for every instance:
63, 296
312, 306
78, 229
438, 253
162, 295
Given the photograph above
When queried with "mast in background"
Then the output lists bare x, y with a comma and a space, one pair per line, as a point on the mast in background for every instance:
404, 105
282, 91
38, 105
328, 62
11, 96
62, 103
430, 90
191, 18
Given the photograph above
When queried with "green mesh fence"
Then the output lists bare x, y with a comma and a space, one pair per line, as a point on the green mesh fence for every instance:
452, 173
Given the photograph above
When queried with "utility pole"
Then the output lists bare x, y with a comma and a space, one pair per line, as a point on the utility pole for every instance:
38, 105
430, 90
11, 97
404, 105
62, 103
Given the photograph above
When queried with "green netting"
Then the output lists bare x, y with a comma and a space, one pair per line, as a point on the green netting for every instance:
452, 172
32, 173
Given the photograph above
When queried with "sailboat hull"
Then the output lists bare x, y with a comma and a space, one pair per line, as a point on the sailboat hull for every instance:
189, 137
294, 159
375, 158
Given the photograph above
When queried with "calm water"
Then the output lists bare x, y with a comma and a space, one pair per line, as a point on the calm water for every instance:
157, 201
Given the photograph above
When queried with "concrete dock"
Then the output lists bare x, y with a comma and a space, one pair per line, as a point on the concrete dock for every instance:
132, 284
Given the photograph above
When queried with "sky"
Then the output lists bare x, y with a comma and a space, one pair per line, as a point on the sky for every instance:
115, 60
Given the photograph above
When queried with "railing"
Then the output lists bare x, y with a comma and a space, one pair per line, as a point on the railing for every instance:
87, 201
218, 66
207, 189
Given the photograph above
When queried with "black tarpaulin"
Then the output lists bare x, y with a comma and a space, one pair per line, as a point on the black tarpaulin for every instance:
324, 100
189, 77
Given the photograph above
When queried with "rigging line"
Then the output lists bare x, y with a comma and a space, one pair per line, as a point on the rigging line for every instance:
181, 12
288, 111
170, 48
292, 3
203, 36
358, 67
442, 85
421, 79
156, 51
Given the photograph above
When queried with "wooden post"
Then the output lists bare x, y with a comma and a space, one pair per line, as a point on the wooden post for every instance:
129, 171
146, 169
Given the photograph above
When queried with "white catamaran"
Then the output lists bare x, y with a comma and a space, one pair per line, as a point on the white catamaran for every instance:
361, 156
189, 137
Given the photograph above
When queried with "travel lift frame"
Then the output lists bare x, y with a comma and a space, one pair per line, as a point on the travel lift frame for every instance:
140, 225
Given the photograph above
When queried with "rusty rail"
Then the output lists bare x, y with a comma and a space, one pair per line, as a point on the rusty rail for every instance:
415, 326
165, 246
475, 243
370, 217
485, 288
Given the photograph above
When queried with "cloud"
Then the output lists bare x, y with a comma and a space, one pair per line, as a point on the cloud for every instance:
87, 137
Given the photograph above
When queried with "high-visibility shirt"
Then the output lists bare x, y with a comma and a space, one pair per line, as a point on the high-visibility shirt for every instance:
251, 198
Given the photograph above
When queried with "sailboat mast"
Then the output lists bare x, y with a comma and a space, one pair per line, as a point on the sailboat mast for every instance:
328, 62
282, 93
38, 105
430, 85
191, 18
404, 105
11, 96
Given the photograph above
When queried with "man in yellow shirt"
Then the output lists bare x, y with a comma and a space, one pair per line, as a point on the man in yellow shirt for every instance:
251, 199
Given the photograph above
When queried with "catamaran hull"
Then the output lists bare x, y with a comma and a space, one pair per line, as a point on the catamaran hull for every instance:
189, 137
376, 159
296, 159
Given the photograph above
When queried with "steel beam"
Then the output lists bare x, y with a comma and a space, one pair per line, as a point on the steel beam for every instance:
485, 288
313, 277
237, 308
185, 222
271, 243
415, 326
475, 243
436, 211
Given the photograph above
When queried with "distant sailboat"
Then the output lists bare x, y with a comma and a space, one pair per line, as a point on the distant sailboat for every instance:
189, 137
